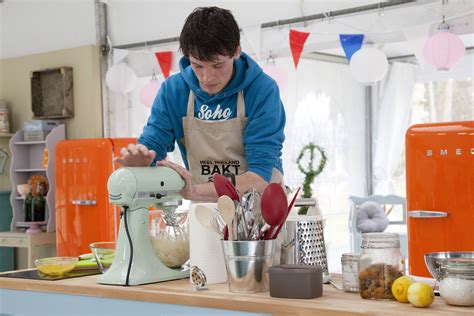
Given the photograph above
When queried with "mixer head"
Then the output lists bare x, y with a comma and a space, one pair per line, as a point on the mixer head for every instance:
143, 186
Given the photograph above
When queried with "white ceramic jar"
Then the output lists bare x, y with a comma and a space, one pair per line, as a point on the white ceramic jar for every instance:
456, 285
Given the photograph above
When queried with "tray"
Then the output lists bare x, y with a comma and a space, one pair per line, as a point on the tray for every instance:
34, 275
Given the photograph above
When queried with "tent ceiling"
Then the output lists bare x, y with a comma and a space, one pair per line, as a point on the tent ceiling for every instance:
383, 29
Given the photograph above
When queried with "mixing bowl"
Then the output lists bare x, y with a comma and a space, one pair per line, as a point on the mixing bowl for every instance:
169, 237
56, 265
104, 253
435, 259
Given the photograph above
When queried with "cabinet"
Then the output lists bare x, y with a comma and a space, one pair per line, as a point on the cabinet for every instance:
27, 160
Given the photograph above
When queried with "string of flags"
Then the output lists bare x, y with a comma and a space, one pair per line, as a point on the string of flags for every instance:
368, 64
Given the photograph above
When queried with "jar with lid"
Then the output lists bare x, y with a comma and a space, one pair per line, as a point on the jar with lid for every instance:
456, 284
4, 118
350, 272
380, 264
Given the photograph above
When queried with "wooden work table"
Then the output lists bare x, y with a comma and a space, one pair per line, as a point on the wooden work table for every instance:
181, 293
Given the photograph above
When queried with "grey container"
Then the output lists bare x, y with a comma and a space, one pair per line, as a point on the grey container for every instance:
296, 281
247, 264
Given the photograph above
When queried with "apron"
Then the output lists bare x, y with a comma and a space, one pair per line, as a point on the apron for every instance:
217, 146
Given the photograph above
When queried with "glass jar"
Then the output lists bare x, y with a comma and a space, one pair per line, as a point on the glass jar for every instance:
380, 264
350, 272
456, 285
169, 237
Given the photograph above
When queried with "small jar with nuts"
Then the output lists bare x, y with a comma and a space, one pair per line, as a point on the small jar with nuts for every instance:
380, 264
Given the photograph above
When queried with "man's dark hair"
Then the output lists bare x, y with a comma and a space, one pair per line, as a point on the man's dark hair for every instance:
208, 32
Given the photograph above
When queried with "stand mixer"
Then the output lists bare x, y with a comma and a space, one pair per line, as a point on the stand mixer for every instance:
135, 189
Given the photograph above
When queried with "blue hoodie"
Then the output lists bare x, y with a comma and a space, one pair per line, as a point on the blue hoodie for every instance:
264, 134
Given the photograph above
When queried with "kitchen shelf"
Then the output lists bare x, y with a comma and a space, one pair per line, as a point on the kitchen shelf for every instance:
26, 160
30, 170
36, 142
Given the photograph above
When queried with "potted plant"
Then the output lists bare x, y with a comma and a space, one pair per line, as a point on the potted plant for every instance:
310, 172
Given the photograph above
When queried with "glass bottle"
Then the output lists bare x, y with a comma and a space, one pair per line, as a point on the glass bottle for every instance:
456, 285
380, 264
27, 207
350, 272
38, 205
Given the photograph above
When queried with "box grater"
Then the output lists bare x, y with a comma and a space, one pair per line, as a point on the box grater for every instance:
303, 243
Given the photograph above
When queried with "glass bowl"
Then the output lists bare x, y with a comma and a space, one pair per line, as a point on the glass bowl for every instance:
434, 260
169, 237
56, 265
104, 253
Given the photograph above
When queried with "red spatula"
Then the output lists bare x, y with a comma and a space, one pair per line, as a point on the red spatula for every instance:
274, 206
289, 209
224, 187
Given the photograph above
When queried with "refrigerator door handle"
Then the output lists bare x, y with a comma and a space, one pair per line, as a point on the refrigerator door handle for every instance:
427, 214
84, 202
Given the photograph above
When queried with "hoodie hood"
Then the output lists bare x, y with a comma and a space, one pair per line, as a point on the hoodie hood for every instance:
246, 70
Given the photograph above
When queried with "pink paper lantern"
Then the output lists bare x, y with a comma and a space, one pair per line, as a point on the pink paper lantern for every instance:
278, 74
443, 50
149, 92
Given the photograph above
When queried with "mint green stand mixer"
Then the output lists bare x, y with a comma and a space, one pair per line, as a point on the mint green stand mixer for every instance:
135, 189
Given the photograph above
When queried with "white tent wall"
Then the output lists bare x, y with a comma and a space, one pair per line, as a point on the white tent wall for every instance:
31, 27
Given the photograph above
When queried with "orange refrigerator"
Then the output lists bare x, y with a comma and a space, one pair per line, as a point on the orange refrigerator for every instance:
440, 190
83, 212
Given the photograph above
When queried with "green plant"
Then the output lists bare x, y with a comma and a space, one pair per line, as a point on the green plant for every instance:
310, 171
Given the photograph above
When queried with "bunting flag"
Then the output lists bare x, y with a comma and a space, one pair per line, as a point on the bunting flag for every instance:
165, 59
351, 43
297, 40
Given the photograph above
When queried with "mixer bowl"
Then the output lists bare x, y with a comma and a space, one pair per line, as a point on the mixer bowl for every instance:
169, 237
435, 259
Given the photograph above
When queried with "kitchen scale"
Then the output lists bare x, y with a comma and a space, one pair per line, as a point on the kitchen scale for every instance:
135, 189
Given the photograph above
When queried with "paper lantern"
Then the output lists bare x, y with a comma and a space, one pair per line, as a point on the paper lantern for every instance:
121, 78
368, 65
443, 49
148, 92
278, 74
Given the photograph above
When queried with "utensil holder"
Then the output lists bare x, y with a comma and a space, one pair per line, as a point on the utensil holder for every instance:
303, 243
247, 264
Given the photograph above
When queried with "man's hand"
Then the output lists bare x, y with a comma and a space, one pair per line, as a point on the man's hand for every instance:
135, 155
188, 192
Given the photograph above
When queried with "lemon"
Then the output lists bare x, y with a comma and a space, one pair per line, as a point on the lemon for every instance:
420, 294
400, 288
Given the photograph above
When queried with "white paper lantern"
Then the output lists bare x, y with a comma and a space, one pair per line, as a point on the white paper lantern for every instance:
368, 65
121, 78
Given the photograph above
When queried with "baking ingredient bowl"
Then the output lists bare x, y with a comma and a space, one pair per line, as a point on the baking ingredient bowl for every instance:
56, 265
104, 253
23, 189
434, 260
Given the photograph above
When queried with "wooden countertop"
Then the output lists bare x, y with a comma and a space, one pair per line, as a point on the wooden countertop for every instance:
182, 292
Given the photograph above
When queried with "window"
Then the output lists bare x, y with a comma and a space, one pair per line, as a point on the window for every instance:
437, 101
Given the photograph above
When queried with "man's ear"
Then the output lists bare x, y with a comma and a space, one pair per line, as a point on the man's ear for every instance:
237, 52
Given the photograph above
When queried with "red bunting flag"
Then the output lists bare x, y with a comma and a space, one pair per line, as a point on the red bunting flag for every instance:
165, 59
297, 40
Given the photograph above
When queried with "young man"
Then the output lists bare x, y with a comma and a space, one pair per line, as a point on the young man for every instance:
224, 112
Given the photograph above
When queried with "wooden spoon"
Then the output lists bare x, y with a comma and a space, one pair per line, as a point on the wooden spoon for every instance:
227, 210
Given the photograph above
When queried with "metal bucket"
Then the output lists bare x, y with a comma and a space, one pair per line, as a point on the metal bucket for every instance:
303, 243
247, 264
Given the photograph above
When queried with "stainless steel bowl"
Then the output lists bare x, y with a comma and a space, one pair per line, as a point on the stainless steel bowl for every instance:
433, 260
